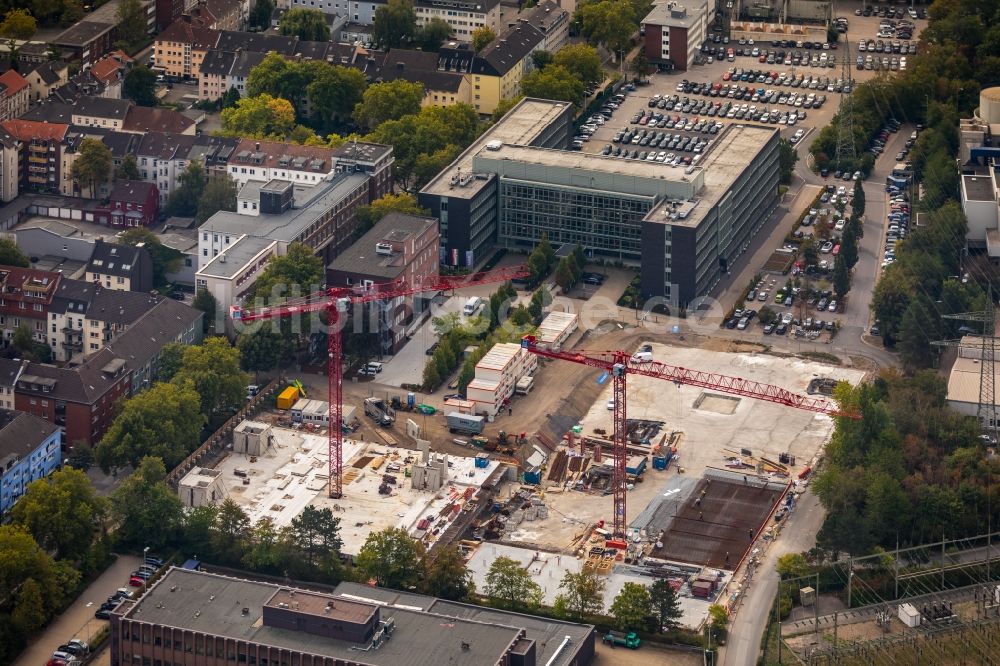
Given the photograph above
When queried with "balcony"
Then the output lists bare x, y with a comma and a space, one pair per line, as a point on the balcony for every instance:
40, 180
38, 159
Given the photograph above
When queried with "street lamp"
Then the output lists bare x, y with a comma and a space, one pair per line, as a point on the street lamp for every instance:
145, 552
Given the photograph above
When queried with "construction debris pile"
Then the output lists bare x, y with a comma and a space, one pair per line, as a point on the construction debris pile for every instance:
504, 518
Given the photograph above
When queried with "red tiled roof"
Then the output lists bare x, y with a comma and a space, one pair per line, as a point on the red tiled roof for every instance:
184, 32
147, 119
105, 69
26, 130
13, 81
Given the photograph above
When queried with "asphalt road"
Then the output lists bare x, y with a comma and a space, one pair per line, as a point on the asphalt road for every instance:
78, 620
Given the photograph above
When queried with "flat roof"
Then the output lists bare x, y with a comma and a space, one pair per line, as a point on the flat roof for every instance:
235, 257
978, 188
213, 604
521, 125
963, 380
676, 14
730, 155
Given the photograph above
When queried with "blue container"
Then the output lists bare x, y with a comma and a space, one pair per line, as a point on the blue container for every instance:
411, 400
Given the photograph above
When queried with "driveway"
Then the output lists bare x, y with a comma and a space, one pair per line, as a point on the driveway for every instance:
78, 620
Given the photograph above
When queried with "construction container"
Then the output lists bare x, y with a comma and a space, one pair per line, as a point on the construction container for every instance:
482, 461
556, 328
701, 589
807, 596
533, 475
497, 373
661, 462
466, 423
286, 399
635, 465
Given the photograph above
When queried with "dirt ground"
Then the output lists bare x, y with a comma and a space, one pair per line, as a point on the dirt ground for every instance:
647, 655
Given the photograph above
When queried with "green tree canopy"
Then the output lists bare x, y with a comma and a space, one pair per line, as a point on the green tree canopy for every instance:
183, 201
128, 169
392, 558
263, 350
18, 24
553, 82
582, 61
132, 23
631, 607
219, 194
582, 594
314, 538
213, 370
296, 273
165, 259
308, 24
509, 585
140, 86
395, 24
433, 34
609, 23
389, 101
481, 37
92, 166
260, 15
665, 604
260, 117
147, 511
164, 421
446, 575
404, 202
11, 254
62, 512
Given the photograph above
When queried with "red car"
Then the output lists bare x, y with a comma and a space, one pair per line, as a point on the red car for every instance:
135, 581
727, 76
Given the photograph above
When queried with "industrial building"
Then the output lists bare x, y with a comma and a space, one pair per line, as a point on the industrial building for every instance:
497, 374
190, 616
683, 225
979, 154
673, 33
964, 379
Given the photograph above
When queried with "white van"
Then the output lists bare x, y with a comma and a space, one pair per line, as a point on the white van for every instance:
642, 357
472, 306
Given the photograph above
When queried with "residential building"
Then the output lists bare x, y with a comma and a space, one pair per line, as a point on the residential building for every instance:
46, 77
39, 148
119, 143
67, 318
400, 248
497, 70
10, 370
234, 271
30, 449
120, 267
186, 243
309, 165
168, 11
25, 295
9, 166
163, 156
179, 50
95, 35
218, 14
551, 20
362, 12
685, 226
673, 33
123, 340
196, 613
441, 88
222, 70
464, 16
357, 34
110, 73
15, 94
144, 119
101, 112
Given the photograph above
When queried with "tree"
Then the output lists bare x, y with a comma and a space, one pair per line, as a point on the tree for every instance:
431, 378
482, 37
72, 12
640, 65
298, 272
198, 525
849, 246
213, 370
232, 526
23, 340
140, 86
334, 91
541, 58
665, 604
582, 61
11, 254
564, 276
308, 24
219, 194
232, 96
787, 157
553, 82
389, 101
446, 576
606, 23
631, 607
792, 565
260, 15
132, 22
509, 585
29, 610
81, 456
583, 594
841, 277
404, 202
315, 535
433, 34
395, 24
165, 259
128, 169
205, 301
264, 552
858, 202
263, 350
164, 421
92, 166
18, 24
392, 558
144, 507
260, 117
62, 512
183, 201
718, 618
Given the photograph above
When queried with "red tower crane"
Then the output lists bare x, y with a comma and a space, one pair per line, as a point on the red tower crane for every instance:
335, 302
619, 364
